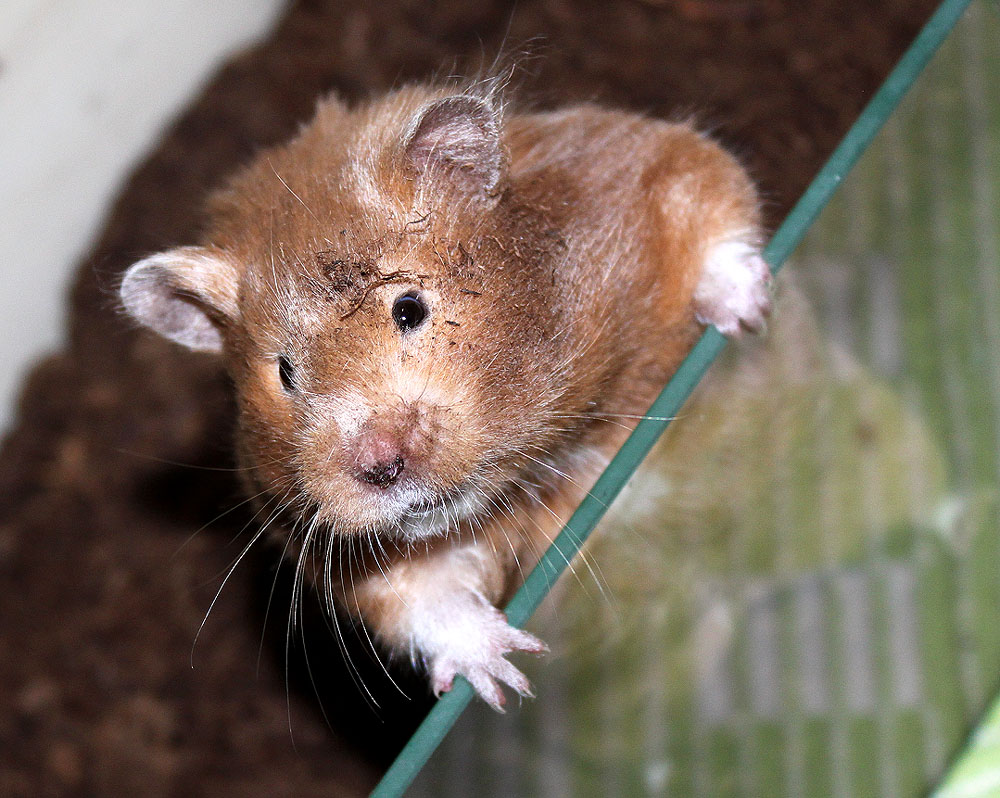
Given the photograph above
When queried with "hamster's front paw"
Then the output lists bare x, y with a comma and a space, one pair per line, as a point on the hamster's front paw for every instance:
473, 642
734, 290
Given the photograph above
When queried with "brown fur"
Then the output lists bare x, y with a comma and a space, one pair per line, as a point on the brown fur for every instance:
559, 254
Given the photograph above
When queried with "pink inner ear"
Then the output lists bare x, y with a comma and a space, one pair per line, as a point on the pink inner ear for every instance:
460, 138
180, 294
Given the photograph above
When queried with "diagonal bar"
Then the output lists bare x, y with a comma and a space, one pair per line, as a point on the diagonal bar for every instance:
443, 715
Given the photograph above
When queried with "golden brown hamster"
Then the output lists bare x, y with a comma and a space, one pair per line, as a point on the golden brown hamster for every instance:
441, 317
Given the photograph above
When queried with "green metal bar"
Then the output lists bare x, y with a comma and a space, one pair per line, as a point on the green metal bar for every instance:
442, 716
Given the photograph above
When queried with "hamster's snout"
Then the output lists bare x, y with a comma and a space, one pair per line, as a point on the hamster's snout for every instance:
402, 465
379, 460
393, 446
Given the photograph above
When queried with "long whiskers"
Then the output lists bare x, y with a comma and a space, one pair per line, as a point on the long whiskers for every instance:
550, 539
263, 529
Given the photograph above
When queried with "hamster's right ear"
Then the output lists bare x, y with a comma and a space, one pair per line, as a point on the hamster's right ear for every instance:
186, 294
458, 140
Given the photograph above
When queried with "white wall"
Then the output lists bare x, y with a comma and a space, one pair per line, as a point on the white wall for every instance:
86, 86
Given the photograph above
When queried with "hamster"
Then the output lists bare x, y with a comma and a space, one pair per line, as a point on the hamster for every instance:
441, 318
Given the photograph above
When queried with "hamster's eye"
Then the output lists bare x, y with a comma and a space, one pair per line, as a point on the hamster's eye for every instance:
286, 372
408, 312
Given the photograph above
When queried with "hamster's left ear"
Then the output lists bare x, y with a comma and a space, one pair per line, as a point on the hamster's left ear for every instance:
186, 294
458, 140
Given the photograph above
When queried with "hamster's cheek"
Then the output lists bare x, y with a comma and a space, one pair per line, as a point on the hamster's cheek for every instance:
268, 421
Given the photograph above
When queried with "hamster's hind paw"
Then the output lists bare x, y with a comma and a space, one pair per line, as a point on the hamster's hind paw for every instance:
734, 292
481, 659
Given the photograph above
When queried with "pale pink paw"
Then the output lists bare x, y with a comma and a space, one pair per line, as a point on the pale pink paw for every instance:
734, 290
481, 657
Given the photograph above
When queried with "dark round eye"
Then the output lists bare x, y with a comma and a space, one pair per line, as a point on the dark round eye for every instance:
286, 371
408, 311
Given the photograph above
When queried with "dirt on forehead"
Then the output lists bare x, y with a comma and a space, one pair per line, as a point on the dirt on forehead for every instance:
105, 581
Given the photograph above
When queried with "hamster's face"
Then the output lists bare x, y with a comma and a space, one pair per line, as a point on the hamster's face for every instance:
393, 385
385, 305
387, 308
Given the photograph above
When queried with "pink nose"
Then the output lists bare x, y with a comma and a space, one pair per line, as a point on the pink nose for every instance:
379, 459
381, 474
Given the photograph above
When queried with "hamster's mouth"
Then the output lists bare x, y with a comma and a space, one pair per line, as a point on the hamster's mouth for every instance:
447, 498
423, 506
414, 513
436, 515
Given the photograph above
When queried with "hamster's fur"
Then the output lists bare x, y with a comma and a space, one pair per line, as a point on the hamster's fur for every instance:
441, 318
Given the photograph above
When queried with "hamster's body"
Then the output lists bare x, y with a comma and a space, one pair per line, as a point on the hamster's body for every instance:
441, 321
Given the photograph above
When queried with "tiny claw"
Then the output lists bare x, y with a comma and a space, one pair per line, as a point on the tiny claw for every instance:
442, 685
519, 682
532, 645
487, 688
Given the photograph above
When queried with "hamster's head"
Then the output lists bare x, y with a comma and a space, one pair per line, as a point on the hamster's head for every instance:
386, 307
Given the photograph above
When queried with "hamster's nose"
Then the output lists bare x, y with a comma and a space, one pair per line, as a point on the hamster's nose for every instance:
378, 458
381, 474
